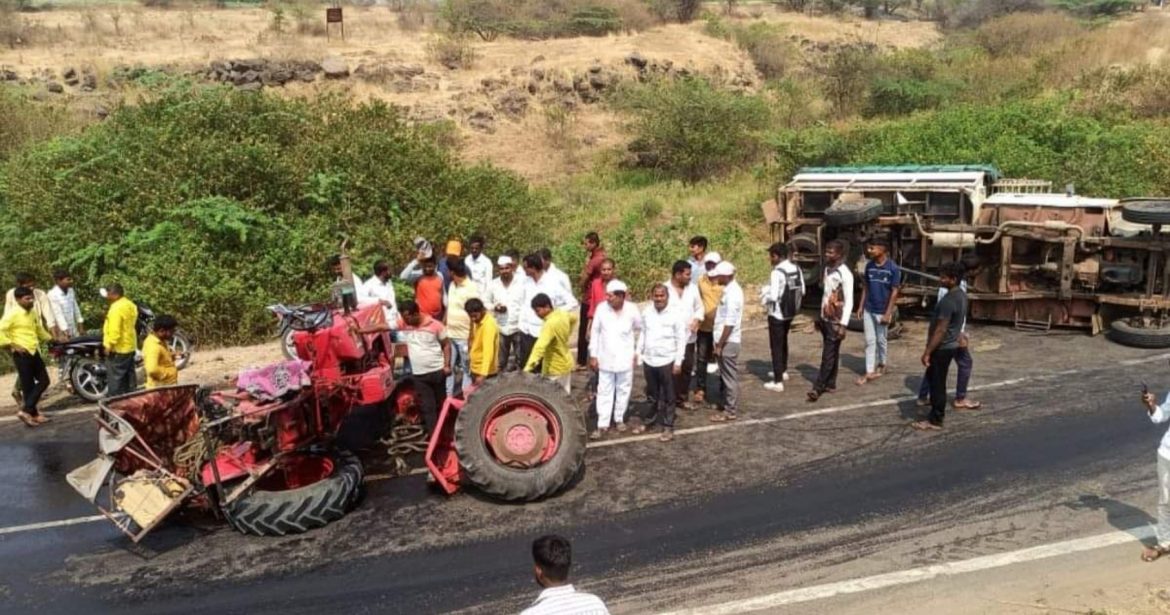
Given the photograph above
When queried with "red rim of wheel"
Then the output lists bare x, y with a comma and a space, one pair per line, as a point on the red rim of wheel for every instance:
406, 405
521, 432
295, 471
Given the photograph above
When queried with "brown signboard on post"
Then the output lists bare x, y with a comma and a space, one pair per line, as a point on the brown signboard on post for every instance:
333, 16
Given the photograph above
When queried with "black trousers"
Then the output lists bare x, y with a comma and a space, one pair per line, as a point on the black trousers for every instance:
778, 340
940, 364
660, 389
431, 390
526, 344
120, 376
509, 350
33, 378
582, 332
704, 346
830, 358
682, 382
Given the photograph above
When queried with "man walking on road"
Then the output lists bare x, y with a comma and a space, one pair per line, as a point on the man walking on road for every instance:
663, 350
728, 328
503, 298
946, 325
552, 557
782, 299
63, 300
611, 355
22, 332
879, 295
551, 351
836, 306
683, 298
594, 256
710, 293
42, 307
120, 340
1160, 414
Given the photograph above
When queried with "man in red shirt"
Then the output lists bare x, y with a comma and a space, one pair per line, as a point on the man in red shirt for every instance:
594, 255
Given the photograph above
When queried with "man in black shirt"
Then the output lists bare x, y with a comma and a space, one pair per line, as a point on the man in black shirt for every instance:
942, 343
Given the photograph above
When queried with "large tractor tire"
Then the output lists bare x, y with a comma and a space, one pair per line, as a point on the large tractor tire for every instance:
847, 213
1128, 334
309, 491
520, 438
1146, 210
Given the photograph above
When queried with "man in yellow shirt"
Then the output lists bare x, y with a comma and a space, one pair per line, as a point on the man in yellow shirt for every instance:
22, 331
485, 342
461, 290
552, 346
711, 294
157, 357
119, 339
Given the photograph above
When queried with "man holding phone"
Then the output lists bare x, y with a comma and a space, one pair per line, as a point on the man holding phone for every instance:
1160, 414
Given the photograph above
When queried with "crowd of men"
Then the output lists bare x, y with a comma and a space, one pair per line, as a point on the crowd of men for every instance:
33, 318
471, 319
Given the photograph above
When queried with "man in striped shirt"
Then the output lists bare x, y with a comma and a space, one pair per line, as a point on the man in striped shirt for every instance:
552, 556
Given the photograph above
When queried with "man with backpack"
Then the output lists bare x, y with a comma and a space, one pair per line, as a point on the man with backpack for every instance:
782, 298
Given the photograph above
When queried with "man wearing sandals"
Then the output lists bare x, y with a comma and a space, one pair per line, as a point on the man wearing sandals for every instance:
963, 361
612, 356
1160, 414
728, 324
946, 325
22, 332
879, 294
663, 349
836, 306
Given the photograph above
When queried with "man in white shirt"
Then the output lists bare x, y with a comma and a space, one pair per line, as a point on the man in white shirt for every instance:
663, 347
1160, 414
380, 289
503, 298
552, 558
836, 306
683, 298
63, 299
479, 266
782, 298
728, 338
611, 355
539, 282
555, 274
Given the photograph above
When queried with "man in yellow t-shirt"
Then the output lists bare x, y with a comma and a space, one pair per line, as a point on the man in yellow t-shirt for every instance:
22, 331
552, 346
461, 290
711, 294
120, 340
485, 342
157, 357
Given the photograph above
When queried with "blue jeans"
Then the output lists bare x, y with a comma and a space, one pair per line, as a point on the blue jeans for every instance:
461, 362
964, 361
875, 341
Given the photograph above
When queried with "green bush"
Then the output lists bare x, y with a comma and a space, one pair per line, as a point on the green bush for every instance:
908, 81
214, 203
691, 130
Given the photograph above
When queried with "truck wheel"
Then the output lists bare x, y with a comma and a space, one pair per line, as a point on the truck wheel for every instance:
804, 251
306, 492
1126, 333
1146, 210
845, 213
88, 378
520, 438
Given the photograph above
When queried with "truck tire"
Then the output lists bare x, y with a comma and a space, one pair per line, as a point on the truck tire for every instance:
846, 213
1146, 210
268, 511
1126, 334
804, 251
520, 438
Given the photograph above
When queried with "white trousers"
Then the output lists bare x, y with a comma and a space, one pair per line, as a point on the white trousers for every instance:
613, 396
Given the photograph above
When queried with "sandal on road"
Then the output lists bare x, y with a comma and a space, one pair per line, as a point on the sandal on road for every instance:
926, 426
638, 430
966, 404
27, 419
1150, 554
723, 417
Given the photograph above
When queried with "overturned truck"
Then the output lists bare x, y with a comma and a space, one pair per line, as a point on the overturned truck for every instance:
1037, 259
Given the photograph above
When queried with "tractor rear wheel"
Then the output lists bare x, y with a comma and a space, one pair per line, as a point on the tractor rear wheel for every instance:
305, 492
520, 438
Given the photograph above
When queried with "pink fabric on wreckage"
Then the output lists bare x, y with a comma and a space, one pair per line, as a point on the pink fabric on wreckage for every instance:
275, 381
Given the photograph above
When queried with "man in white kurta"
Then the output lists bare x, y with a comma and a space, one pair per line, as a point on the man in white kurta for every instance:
611, 354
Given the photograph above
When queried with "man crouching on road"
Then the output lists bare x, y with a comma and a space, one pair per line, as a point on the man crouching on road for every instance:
1160, 414
552, 555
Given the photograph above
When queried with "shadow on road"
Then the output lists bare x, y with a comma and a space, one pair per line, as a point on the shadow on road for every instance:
1120, 515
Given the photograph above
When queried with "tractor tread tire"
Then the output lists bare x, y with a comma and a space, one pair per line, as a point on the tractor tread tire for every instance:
511, 484
1146, 210
1126, 334
279, 513
846, 213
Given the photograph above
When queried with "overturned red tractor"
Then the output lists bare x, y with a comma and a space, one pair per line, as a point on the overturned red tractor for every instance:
267, 456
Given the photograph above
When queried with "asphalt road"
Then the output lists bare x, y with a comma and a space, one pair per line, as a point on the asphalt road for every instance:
794, 499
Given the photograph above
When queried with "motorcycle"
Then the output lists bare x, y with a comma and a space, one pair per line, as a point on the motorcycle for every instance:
81, 361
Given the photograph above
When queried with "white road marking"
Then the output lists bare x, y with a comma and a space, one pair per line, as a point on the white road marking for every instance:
915, 575
48, 524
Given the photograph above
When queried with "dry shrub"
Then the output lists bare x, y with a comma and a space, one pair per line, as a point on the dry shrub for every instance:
1025, 33
453, 51
635, 16
11, 25
560, 123
1140, 91
412, 16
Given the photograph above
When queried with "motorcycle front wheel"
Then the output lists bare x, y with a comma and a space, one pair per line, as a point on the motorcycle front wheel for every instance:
182, 346
88, 378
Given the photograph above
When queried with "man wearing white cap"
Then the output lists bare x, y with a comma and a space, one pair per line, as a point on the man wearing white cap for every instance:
728, 325
710, 293
503, 298
611, 355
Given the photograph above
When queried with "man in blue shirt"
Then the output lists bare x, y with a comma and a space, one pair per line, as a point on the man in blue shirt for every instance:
879, 294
